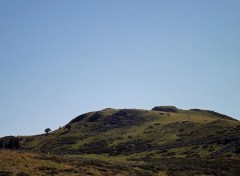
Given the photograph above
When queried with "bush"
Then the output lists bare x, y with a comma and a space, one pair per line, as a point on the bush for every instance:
9, 142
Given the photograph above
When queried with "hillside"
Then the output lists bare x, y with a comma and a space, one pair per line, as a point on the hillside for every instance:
162, 141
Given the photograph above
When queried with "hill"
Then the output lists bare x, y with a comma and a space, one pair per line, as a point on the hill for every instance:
162, 141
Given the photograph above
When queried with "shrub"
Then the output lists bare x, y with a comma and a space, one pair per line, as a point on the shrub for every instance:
47, 130
9, 142
68, 127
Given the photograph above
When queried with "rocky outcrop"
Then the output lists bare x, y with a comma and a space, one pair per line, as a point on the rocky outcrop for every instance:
165, 109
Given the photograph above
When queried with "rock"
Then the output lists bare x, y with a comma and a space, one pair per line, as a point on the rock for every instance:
166, 109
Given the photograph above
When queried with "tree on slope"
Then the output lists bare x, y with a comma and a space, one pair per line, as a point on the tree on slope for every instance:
47, 130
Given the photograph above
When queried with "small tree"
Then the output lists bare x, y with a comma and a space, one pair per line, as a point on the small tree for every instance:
47, 130
68, 127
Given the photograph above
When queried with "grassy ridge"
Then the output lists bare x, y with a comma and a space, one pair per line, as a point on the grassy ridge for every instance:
127, 132
162, 141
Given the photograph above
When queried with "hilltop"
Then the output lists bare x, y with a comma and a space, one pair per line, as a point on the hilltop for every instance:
162, 141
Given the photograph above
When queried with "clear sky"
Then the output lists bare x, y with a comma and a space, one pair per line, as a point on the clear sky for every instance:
62, 58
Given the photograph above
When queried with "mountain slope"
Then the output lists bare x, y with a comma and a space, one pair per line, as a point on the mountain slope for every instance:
162, 140
131, 131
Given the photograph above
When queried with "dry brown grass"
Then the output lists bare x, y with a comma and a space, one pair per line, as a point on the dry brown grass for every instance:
18, 161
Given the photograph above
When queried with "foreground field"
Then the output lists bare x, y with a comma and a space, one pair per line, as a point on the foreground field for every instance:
24, 164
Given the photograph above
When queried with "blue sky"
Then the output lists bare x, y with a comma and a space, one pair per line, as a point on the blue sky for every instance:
60, 58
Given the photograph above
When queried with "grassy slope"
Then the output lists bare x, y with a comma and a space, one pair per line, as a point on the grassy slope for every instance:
127, 132
16, 162
25, 163
145, 142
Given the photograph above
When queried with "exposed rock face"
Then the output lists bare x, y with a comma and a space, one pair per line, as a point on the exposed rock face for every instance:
166, 109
